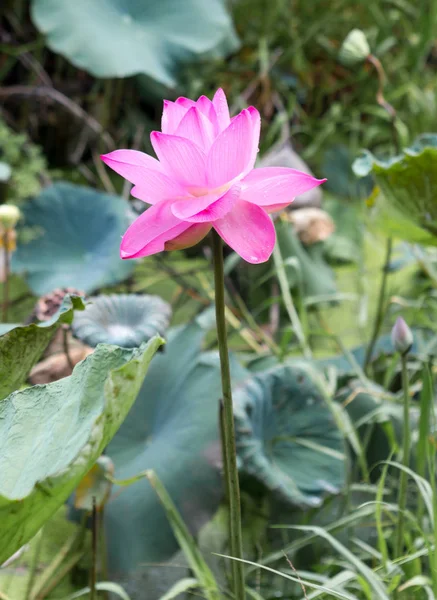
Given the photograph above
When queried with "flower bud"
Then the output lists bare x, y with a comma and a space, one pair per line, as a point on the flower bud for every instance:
9, 215
401, 336
355, 48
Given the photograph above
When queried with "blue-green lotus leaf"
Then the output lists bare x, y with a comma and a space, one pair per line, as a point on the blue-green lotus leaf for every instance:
173, 430
21, 346
287, 438
76, 234
120, 38
125, 320
406, 205
51, 435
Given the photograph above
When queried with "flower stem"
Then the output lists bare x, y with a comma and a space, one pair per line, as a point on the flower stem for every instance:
6, 276
380, 309
403, 479
228, 432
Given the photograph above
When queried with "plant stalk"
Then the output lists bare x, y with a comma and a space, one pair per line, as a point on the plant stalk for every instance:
6, 276
228, 432
403, 479
94, 533
380, 309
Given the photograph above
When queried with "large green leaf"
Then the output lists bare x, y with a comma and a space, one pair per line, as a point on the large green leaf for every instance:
406, 206
126, 320
77, 232
51, 435
173, 430
120, 38
22, 346
287, 438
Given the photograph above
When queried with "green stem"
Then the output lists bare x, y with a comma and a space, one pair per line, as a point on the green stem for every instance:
380, 309
6, 281
94, 552
403, 479
34, 564
228, 435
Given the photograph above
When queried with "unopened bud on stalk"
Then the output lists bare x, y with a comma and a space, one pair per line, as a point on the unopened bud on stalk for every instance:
9, 215
355, 48
401, 336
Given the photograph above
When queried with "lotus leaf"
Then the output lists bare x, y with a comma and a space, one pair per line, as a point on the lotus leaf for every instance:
122, 319
22, 346
173, 430
77, 235
286, 435
113, 38
406, 205
51, 435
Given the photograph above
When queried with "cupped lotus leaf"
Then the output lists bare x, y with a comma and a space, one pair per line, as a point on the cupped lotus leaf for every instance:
22, 346
76, 242
405, 202
120, 38
286, 436
51, 435
173, 430
126, 320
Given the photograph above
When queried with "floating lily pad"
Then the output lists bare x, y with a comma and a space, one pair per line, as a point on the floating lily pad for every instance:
22, 346
76, 242
122, 319
109, 38
286, 435
173, 430
406, 205
51, 435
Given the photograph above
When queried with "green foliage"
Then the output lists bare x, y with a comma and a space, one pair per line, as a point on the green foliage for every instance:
286, 435
22, 346
407, 205
152, 39
122, 319
81, 228
26, 161
71, 421
173, 430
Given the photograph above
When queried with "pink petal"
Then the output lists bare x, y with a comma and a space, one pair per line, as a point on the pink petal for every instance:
190, 237
206, 208
232, 151
172, 115
221, 109
205, 105
180, 158
249, 231
128, 162
185, 102
151, 184
256, 130
149, 233
196, 127
276, 186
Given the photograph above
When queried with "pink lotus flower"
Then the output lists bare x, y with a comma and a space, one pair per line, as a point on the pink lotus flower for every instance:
205, 177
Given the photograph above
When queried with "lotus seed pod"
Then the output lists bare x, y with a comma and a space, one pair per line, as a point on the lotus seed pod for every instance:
355, 48
9, 215
401, 336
